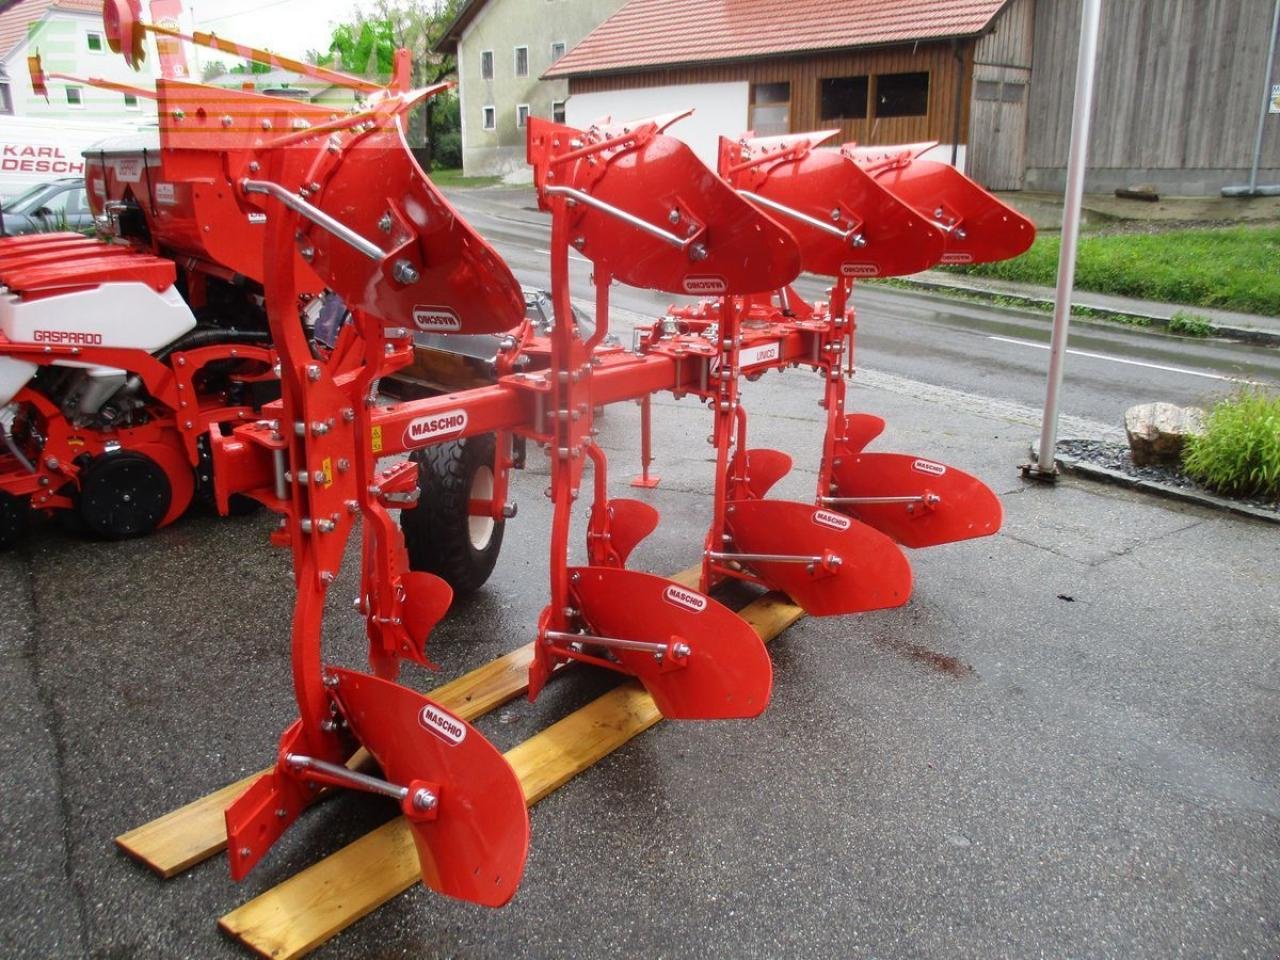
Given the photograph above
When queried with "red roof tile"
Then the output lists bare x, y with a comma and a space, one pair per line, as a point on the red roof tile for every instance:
17, 17
656, 33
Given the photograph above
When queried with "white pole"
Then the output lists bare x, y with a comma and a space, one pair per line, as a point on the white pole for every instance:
1047, 466
1266, 103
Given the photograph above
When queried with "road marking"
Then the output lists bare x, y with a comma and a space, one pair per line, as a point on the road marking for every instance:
1132, 363
572, 255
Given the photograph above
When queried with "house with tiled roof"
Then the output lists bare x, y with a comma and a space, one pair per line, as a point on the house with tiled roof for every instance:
503, 48
69, 37
1179, 85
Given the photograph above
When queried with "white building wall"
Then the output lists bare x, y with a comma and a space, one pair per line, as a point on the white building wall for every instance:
719, 109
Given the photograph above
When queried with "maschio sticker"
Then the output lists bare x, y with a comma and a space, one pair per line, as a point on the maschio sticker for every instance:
448, 728
957, 257
859, 269
436, 320
929, 467
699, 285
435, 427
685, 598
836, 521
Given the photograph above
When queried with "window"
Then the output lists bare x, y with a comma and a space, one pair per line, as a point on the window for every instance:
522, 61
94, 40
902, 95
486, 64
843, 98
522, 115
489, 117
73, 97
986, 89
557, 50
770, 109
6, 97
130, 101
1013, 92
557, 111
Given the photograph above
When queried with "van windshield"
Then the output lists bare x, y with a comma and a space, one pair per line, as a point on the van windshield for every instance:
19, 203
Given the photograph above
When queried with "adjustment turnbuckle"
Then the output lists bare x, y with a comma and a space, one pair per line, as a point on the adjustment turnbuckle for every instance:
675, 649
928, 499
826, 560
422, 804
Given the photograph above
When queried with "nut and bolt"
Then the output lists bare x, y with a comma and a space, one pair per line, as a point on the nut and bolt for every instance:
405, 272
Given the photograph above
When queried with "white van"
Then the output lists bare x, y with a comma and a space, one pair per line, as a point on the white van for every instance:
38, 150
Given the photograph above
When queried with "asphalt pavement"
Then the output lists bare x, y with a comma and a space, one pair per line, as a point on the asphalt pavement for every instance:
1064, 745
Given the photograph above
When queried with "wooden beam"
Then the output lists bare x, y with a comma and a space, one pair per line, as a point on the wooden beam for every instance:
298, 915
191, 834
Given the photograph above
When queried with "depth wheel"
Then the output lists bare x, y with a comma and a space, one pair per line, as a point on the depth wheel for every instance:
14, 514
124, 494
439, 533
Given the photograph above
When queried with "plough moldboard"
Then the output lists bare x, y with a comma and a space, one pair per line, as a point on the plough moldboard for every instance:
358, 256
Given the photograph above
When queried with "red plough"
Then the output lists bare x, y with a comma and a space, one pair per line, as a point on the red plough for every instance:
350, 216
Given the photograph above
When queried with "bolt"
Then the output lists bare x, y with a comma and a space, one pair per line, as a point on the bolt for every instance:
308, 253
254, 166
319, 476
424, 800
674, 215
281, 812
384, 223
325, 526
330, 680
51, 463
245, 852
179, 114
313, 372
835, 214
344, 465
698, 251
681, 650
348, 414
266, 124
315, 187
405, 272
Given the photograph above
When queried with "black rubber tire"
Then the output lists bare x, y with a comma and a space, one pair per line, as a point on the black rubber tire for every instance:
437, 532
14, 514
123, 494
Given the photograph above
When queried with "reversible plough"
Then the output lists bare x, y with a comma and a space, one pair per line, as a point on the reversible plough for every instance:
351, 219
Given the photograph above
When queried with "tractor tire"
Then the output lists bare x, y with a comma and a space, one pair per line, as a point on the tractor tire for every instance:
440, 535
124, 494
14, 513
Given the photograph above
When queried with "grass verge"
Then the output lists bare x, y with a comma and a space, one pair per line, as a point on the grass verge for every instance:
1235, 268
442, 177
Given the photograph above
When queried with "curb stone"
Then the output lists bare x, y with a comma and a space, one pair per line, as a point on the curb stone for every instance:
1092, 471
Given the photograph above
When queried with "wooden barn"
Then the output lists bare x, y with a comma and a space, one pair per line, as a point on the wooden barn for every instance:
1179, 82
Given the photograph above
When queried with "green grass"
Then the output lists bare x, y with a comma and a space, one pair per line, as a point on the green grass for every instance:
454, 178
1239, 452
1190, 324
1236, 268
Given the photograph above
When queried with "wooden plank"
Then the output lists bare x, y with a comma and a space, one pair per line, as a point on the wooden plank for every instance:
191, 834
298, 915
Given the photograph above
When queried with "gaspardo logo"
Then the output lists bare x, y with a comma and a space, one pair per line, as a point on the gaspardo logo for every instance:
697, 285
685, 598
835, 521
859, 269
436, 320
447, 728
437, 425
929, 467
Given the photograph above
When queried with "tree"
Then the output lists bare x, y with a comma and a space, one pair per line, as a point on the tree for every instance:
212, 70
366, 43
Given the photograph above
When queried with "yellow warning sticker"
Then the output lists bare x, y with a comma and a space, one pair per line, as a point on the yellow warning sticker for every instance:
377, 439
326, 467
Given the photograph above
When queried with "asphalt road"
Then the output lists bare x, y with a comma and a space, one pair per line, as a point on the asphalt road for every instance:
1063, 746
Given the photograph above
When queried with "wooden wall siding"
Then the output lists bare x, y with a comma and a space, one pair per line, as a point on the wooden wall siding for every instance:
1009, 43
1177, 84
806, 73
998, 126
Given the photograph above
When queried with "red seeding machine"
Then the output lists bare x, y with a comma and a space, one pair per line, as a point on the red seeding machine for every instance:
347, 251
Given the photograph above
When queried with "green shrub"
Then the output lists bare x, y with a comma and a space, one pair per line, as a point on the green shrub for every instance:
1239, 452
1190, 324
448, 150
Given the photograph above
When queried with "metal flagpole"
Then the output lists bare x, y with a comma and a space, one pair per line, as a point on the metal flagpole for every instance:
1046, 466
